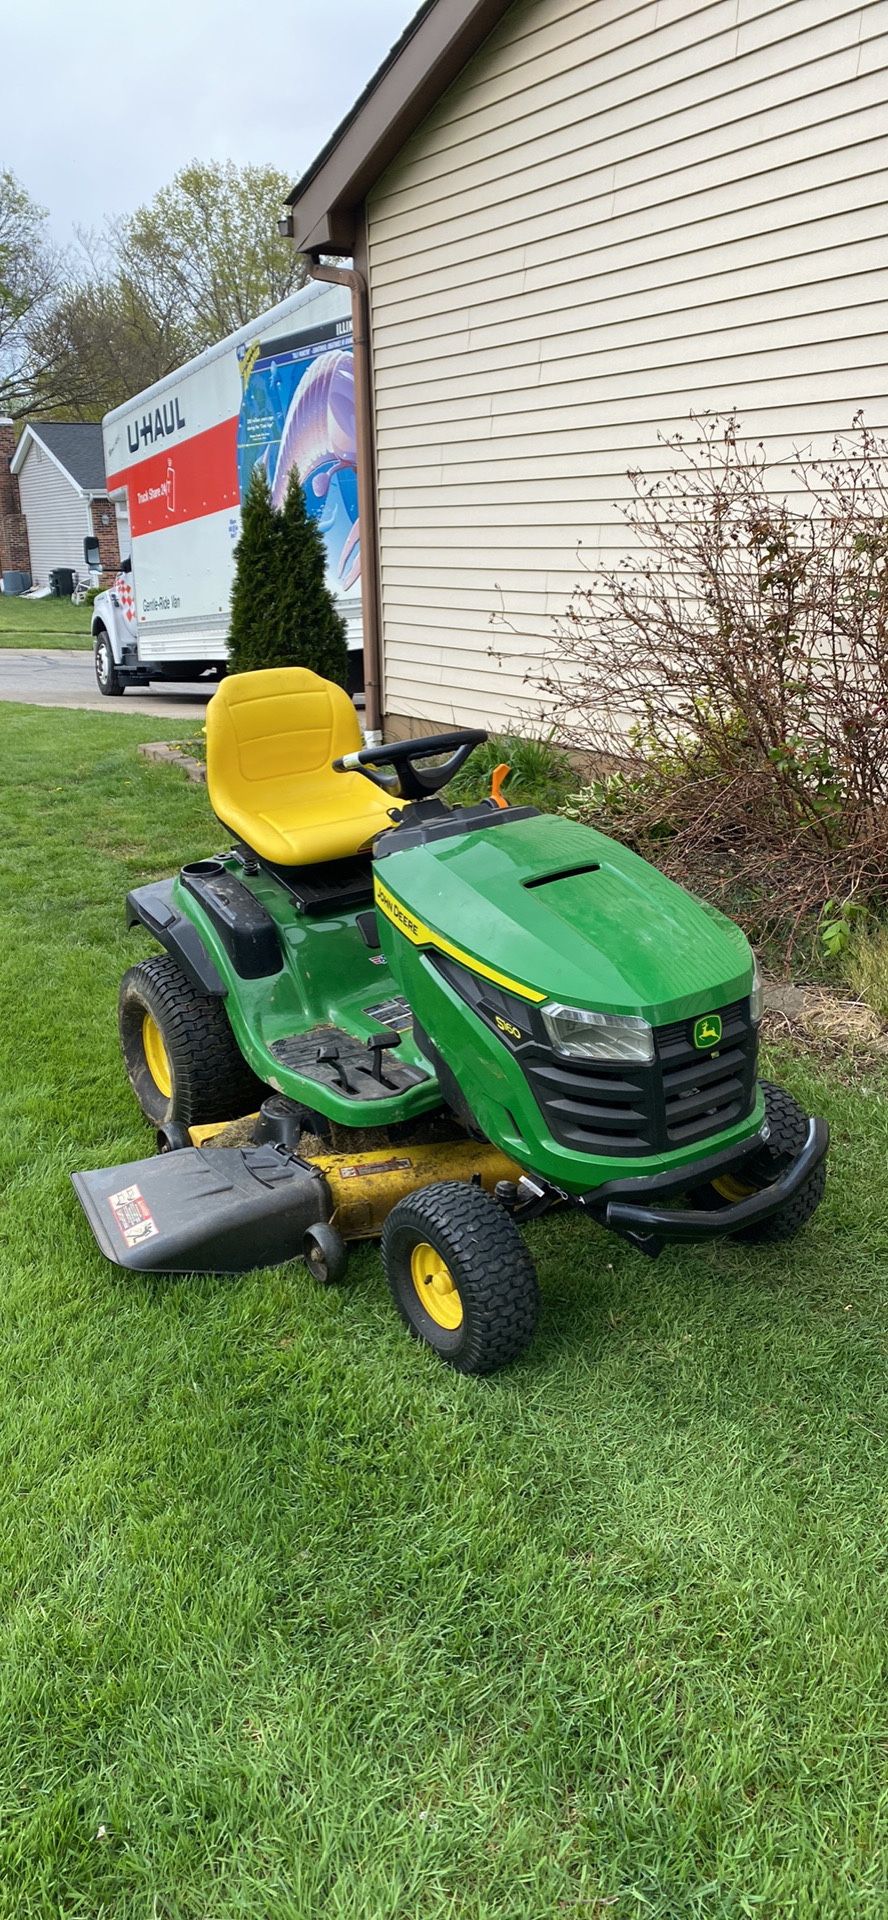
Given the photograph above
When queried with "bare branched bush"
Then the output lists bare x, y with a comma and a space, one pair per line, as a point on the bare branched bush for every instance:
732, 672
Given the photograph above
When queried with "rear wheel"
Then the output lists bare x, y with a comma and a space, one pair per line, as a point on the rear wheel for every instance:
461, 1276
107, 677
788, 1123
180, 1054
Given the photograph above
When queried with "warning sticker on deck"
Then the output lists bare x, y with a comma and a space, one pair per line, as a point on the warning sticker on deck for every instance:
133, 1215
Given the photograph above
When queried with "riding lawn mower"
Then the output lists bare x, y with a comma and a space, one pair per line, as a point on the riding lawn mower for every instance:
376, 1016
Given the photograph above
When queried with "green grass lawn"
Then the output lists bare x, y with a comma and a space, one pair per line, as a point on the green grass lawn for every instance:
43, 623
297, 1623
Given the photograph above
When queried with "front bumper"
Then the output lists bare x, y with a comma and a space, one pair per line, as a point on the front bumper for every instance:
623, 1205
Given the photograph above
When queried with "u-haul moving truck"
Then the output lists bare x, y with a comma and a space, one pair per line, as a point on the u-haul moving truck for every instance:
280, 391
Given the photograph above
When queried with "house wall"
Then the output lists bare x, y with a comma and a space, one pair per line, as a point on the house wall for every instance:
14, 552
103, 523
618, 215
57, 515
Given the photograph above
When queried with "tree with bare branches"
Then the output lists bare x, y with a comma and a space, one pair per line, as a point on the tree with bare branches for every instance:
730, 677
201, 259
29, 277
206, 254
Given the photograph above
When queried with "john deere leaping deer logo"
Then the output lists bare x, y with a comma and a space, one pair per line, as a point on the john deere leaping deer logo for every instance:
708, 1031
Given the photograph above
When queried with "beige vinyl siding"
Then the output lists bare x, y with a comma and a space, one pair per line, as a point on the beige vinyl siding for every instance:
616, 217
57, 516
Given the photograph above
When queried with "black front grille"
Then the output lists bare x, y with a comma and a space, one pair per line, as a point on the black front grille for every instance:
683, 1095
705, 1092
600, 1107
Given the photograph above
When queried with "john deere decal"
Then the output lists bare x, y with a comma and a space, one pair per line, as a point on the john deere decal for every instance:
708, 1031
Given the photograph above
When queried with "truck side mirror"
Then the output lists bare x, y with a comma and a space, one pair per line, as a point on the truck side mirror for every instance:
91, 554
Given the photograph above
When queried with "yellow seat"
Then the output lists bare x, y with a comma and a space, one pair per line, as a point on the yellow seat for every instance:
271, 741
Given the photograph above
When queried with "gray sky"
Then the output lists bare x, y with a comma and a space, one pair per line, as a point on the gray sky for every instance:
103, 102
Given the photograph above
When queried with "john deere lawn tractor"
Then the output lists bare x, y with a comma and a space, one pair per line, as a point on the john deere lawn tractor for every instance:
375, 1015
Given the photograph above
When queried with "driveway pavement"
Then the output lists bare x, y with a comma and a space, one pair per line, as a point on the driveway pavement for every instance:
59, 679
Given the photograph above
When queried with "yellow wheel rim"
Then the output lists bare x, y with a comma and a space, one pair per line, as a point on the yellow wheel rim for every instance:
731, 1189
156, 1056
435, 1287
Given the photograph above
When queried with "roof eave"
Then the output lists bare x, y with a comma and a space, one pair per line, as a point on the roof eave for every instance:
327, 202
18, 458
31, 436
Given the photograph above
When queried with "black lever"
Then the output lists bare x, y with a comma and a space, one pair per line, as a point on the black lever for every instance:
376, 1047
328, 1056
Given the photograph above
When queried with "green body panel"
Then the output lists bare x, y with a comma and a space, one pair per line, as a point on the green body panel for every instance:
621, 939
616, 937
328, 978
501, 1100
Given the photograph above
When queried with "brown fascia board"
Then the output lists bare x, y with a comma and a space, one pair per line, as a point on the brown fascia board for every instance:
439, 41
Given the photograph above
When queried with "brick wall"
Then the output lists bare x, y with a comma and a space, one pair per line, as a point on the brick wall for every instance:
14, 553
102, 511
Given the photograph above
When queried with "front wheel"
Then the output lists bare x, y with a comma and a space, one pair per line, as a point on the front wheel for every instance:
461, 1276
108, 679
788, 1123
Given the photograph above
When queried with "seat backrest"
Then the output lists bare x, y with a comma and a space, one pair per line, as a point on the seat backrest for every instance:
264, 729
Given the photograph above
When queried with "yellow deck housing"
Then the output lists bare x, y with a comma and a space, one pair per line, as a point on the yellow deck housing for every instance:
366, 1186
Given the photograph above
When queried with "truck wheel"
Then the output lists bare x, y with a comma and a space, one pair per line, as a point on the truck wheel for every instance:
789, 1131
180, 1054
461, 1276
107, 677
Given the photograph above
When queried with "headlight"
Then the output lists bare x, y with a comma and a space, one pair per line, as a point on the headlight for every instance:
598, 1036
756, 995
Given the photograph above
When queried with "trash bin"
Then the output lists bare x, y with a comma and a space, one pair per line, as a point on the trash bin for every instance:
61, 582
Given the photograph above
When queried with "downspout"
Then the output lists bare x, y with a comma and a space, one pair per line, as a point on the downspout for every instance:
349, 277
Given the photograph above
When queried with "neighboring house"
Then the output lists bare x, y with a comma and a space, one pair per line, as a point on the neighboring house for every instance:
579, 221
60, 469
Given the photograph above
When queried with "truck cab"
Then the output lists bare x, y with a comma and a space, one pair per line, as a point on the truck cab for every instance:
119, 662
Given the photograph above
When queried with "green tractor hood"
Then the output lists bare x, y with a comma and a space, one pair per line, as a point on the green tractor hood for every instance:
553, 910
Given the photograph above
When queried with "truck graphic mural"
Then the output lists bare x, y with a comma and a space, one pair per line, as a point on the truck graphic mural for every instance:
298, 410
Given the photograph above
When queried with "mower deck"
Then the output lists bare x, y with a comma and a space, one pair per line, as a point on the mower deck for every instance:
227, 1209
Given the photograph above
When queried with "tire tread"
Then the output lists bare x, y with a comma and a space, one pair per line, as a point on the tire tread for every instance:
789, 1131
211, 1078
477, 1236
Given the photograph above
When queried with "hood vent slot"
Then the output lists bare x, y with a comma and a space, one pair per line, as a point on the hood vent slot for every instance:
561, 873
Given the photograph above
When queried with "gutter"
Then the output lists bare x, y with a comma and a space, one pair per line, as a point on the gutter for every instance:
349, 277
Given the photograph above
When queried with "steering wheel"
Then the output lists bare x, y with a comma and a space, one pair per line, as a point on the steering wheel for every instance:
415, 783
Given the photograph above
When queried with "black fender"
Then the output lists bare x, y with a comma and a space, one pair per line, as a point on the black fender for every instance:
152, 907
